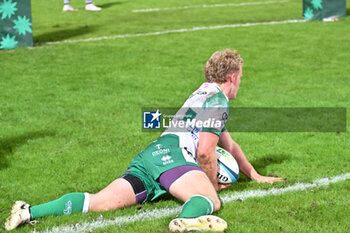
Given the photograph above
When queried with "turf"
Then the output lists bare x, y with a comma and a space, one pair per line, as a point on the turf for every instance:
70, 113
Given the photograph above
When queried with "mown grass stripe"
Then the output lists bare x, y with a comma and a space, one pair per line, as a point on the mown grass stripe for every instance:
166, 212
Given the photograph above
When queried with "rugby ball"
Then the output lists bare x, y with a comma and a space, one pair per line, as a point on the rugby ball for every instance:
228, 170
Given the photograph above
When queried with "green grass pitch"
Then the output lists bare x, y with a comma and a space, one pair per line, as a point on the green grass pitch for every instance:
70, 113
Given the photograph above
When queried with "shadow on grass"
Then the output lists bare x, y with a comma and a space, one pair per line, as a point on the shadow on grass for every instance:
8, 145
108, 5
62, 34
261, 164
347, 11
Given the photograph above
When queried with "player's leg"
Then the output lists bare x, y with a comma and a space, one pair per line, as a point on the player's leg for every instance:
118, 194
194, 182
186, 181
125, 191
192, 186
67, 6
89, 6
22, 212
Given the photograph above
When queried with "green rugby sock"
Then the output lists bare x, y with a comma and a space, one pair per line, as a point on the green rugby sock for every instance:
196, 206
67, 204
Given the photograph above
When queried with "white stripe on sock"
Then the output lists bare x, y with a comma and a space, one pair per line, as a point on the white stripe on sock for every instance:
86, 203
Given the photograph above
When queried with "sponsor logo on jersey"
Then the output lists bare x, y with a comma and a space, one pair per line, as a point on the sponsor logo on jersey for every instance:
160, 151
151, 120
167, 159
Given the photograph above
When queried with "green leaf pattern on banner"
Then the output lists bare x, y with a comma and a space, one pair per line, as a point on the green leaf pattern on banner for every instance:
8, 42
317, 4
308, 14
7, 8
15, 24
22, 25
323, 9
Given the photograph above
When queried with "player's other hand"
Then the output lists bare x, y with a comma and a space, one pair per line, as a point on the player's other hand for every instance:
223, 186
268, 179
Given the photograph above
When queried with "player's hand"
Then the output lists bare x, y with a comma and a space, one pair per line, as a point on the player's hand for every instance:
223, 186
268, 179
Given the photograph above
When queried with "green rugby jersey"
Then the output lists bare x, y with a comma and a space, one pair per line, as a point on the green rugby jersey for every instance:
207, 109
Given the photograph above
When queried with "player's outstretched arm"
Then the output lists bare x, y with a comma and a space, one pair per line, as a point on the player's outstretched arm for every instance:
245, 167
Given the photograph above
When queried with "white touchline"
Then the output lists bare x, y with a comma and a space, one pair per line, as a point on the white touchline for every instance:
173, 31
167, 212
207, 6
277, 191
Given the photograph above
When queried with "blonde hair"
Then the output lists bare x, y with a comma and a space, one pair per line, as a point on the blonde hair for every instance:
221, 65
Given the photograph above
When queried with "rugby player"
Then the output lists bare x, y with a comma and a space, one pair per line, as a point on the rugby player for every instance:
181, 162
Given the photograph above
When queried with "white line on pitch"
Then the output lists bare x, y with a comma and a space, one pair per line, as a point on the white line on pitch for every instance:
173, 31
167, 212
207, 6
